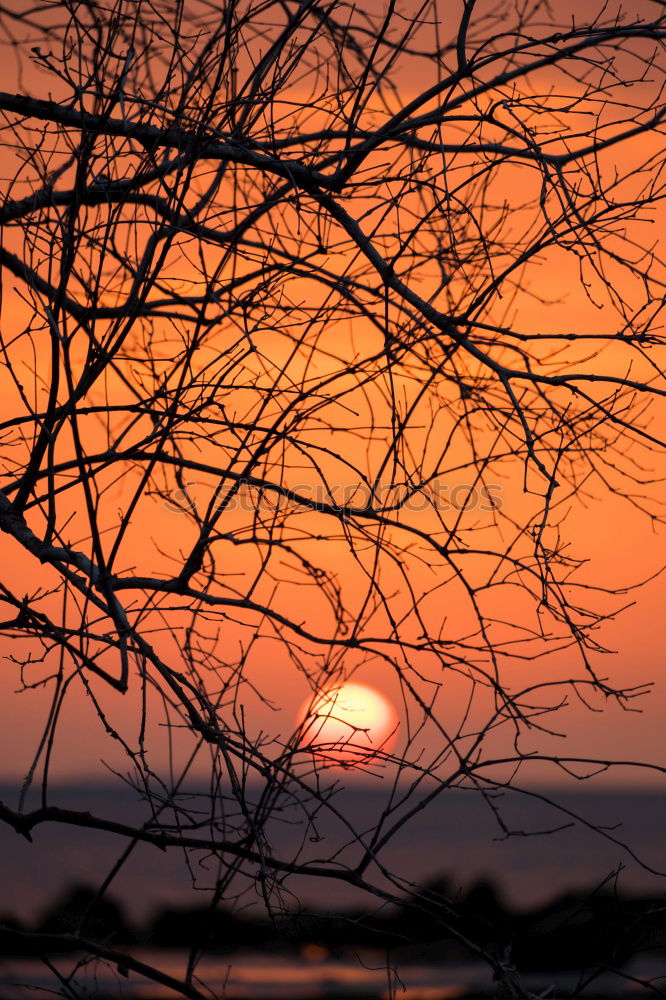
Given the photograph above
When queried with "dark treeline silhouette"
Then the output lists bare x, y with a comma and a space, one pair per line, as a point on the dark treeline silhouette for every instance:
575, 931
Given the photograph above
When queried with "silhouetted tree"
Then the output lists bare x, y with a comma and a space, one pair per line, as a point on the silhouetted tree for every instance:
289, 379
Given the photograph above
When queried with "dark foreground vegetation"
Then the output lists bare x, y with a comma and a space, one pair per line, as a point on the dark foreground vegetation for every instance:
596, 928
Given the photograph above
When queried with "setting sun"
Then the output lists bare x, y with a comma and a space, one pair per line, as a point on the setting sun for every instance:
351, 719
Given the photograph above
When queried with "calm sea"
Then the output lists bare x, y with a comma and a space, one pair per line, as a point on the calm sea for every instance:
258, 977
457, 836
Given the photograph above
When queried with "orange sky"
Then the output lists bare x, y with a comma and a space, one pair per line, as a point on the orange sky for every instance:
621, 544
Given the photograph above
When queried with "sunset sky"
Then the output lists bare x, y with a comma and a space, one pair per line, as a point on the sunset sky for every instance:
620, 544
